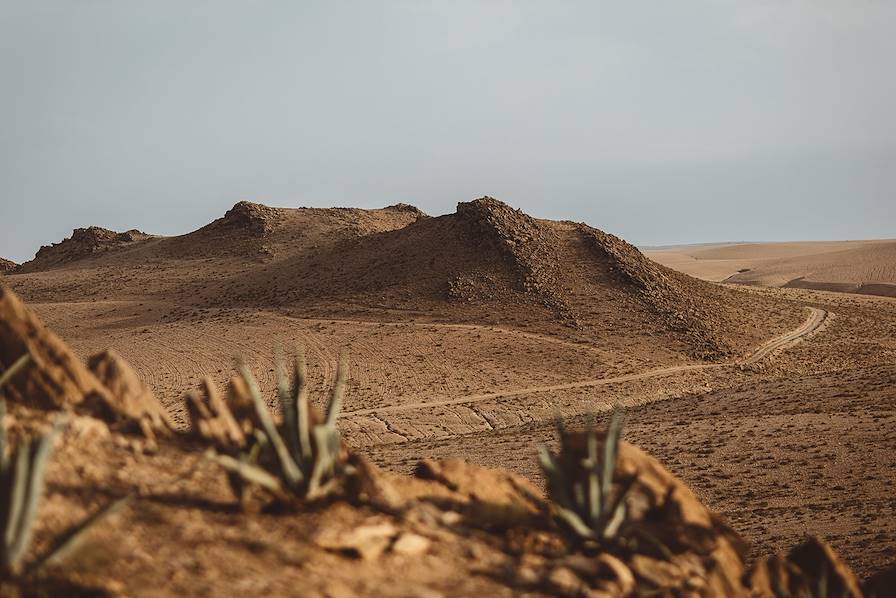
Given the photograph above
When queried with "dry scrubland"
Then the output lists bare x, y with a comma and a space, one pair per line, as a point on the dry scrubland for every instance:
465, 336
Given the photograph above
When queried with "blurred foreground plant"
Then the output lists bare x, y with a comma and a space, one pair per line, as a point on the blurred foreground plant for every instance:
303, 456
580, 483
22, 473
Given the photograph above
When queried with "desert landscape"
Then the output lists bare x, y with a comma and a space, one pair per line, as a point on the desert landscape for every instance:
864, 267
458, 342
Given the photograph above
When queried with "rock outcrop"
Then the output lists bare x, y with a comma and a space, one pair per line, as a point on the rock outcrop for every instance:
132, 400
247, 217
54, 378
84, 243
810, 569
7, 265
529, 248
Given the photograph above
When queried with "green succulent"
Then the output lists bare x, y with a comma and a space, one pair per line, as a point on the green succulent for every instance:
580, 483
306, 452
22, 473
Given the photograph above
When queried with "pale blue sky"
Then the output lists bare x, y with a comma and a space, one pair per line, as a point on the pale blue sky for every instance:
661, 121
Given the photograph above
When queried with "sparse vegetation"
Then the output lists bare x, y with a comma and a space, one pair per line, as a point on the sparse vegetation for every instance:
580, 483
22, 473
303, 455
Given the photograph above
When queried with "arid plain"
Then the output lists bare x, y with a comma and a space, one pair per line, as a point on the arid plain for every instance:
468, 334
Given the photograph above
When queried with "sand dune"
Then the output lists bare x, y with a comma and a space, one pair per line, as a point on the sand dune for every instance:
867, 267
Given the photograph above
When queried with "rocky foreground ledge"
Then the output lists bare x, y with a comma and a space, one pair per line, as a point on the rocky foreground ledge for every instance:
451, 529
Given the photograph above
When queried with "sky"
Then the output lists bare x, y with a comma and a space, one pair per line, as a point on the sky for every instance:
679, 121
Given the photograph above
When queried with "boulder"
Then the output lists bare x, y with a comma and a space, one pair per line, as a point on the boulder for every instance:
131, 400
211, 419
53, 378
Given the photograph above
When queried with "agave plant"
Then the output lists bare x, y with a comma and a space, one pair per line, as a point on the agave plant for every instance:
307, 460
22, 471
580, 482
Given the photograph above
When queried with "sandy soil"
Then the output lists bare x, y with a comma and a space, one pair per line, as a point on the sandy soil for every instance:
786, 432
867, 267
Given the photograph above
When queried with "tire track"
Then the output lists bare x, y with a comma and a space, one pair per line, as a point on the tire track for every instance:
816, 320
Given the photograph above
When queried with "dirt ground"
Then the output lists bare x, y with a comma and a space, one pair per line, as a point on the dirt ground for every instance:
790, 442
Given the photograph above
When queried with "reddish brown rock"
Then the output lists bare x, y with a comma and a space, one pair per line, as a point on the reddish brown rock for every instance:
132, 402
480, 484
775, 576
820, 564
811, 569
881, 583
54, 378
7, 265
211, 419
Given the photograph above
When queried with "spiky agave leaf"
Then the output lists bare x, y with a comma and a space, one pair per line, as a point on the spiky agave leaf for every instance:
287, 404
14, 493
26, 488
303, 412
611, 450
289, 469
12, 370
74, 538
575, 522
594, 490
248, 472
338, 391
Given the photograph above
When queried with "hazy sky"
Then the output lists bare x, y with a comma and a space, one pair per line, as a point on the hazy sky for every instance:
661, 121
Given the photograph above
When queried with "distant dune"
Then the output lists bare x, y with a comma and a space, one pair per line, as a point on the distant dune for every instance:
867, 267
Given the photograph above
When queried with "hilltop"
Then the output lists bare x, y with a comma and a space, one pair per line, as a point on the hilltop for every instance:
7, 265
485, 263
84, 243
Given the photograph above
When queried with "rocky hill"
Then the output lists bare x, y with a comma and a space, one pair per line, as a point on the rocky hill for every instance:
485, 263
84, 243
7, 265
489, 261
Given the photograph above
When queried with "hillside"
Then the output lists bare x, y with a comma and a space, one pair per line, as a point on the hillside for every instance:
485, 263
489, 262
131, 504
6, 265
84, 243
867, 267
467, 334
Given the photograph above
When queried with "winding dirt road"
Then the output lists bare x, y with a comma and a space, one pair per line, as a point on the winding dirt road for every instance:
816, 320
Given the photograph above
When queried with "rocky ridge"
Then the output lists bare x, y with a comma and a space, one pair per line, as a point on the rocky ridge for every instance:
84, 243
686, 304
7, 265
528, 247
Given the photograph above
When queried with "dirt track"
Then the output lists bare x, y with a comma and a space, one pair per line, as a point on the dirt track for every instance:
817, 318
